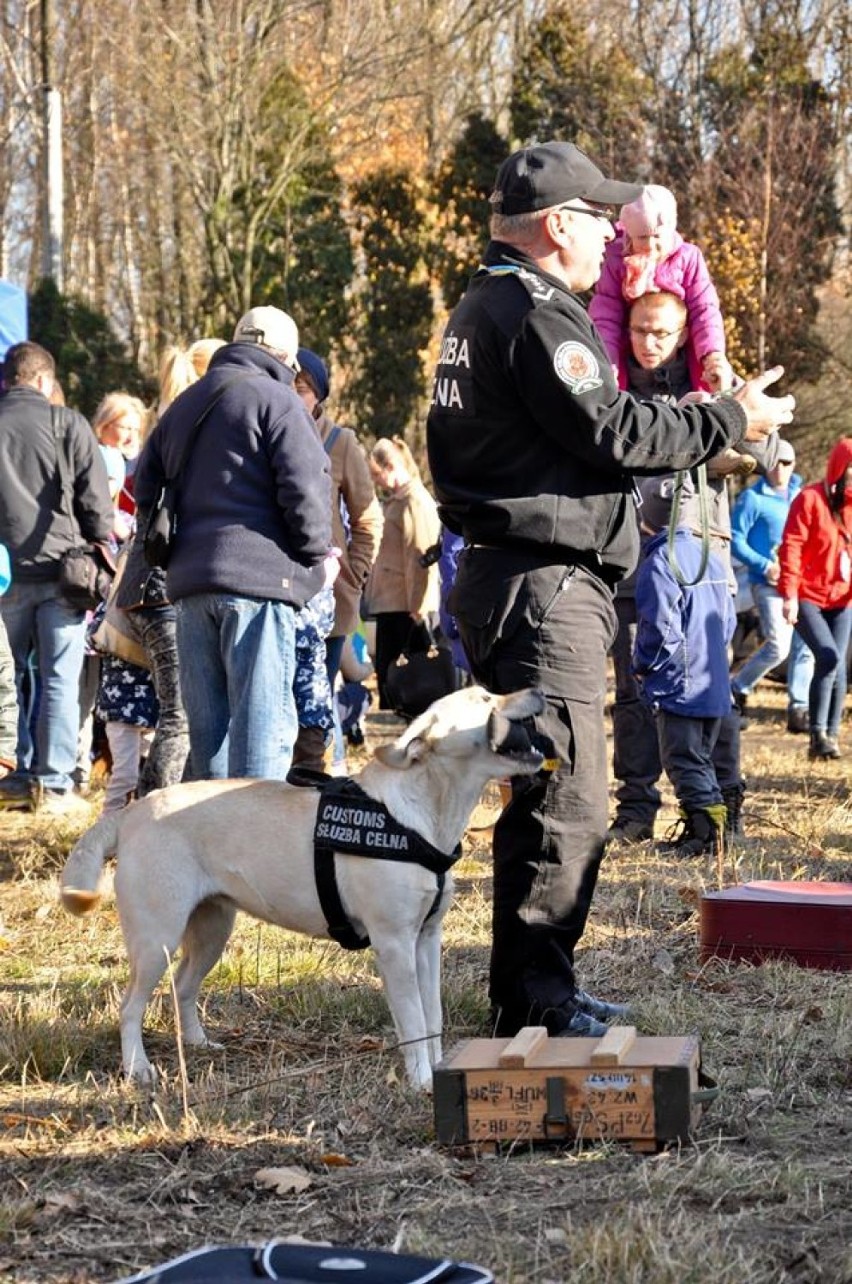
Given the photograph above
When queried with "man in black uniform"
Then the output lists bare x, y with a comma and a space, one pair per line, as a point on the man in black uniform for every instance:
532, 449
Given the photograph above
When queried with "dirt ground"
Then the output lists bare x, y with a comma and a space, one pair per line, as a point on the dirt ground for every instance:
98, 1178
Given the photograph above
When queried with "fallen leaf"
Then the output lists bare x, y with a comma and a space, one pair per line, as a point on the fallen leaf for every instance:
663, 962
337, 1161
43, 911
369, 1043
283, 1181
759, 1094
63, 1200
556, 1235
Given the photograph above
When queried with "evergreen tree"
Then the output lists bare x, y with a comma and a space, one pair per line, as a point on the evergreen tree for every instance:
771, 175
464, 184
90, 360
394, 305
578, 83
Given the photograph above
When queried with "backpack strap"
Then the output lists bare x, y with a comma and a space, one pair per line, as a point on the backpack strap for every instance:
331, 438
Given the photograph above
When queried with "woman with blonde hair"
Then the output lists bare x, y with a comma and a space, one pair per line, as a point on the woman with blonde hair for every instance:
403, 589
182, 367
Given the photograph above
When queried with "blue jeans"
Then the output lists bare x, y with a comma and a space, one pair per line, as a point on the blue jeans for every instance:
800, 671
42, 625
780, 643
237, 665
777, 636
827, 634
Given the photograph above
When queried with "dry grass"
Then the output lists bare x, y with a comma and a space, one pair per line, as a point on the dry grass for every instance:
98, 1178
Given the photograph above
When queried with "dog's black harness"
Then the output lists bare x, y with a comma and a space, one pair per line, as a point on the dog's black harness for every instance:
350, 821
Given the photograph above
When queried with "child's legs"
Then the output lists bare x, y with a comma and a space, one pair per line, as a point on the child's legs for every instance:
686, 751
125, 745
726, 752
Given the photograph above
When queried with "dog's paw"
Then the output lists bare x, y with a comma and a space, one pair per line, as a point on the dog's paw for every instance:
142, 1074
202, 1043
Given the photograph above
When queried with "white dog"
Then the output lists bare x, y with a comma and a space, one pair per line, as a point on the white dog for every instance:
190, 856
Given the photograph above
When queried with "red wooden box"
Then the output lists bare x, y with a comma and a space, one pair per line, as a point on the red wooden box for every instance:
808, 923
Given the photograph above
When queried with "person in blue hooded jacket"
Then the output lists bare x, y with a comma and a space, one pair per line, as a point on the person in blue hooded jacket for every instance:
757, 524
685, 620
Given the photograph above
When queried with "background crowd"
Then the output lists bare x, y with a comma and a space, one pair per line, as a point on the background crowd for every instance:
235, 538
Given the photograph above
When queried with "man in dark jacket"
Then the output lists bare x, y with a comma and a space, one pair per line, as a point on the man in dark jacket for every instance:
37, 529
252, 545
532, 450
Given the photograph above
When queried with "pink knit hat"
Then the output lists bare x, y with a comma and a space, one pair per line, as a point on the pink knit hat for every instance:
655, 211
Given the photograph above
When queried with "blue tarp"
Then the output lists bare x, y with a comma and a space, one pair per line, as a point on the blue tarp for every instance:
13, 316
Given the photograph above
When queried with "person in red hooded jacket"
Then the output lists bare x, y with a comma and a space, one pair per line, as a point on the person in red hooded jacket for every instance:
816, 585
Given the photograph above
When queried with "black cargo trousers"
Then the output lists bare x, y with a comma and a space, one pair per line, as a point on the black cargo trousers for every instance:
528, 623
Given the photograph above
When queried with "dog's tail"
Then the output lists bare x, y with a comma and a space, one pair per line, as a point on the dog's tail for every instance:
79, 891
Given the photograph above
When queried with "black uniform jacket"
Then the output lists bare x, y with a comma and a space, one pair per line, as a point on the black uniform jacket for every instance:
531, 443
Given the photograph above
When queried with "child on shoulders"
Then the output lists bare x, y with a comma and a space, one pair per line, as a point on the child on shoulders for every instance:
650, 255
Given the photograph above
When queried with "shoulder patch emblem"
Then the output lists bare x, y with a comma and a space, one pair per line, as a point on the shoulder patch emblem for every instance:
577, 367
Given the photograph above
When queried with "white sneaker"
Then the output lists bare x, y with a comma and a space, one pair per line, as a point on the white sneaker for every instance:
58, 802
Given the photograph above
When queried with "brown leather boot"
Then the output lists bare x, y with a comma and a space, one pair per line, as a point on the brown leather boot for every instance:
309, 749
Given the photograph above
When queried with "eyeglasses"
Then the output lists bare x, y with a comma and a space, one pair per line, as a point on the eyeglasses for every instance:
659, 336
578, 209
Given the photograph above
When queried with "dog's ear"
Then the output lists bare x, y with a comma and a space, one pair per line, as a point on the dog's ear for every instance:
400, 756
412, 746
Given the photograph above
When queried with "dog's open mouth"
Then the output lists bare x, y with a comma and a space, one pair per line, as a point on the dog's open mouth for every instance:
519, 741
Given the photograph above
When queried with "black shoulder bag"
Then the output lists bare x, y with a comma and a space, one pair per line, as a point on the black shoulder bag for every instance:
422, 673
159, 538
85, 570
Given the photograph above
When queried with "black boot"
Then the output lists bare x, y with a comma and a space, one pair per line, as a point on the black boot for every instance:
822, 746
798, 721
732, 797
701, 834
19, 792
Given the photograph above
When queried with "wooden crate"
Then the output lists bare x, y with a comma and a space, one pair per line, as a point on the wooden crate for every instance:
623, 1087
808, 923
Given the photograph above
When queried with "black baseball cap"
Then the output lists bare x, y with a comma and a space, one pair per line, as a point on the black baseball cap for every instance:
535, 178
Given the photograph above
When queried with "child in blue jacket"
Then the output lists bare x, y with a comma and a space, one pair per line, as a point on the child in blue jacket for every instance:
681, 661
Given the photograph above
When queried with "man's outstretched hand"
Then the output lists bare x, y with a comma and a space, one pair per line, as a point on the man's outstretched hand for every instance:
765, 414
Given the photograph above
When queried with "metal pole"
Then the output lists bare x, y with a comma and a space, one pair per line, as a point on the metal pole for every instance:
52, 139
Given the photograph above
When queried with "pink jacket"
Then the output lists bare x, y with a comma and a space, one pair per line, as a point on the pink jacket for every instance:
685, 274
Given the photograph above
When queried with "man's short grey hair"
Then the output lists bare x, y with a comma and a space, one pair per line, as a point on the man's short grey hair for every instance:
518, 228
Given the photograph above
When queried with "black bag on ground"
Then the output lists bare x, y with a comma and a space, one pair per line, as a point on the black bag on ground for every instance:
422, 673
309, 1264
